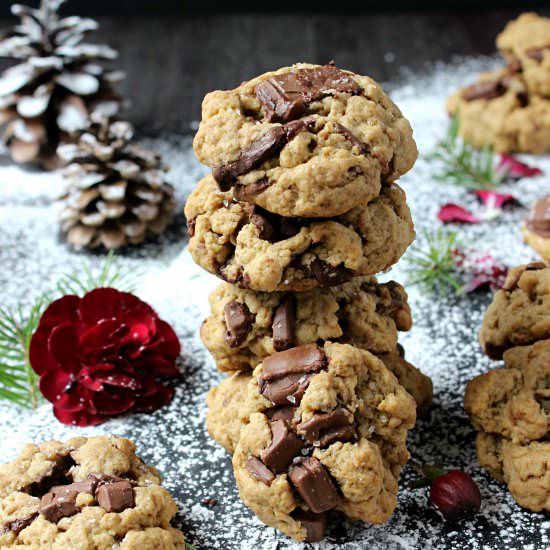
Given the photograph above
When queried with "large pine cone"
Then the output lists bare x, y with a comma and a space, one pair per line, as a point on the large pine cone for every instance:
116, 193
56, 85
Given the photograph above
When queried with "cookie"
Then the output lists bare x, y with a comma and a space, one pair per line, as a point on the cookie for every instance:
536, 227
518, 314
251, 248
513, 401
524, 468
326, 431
525, 42
223, 420
305, 141
90, 493
499, 112
245, 326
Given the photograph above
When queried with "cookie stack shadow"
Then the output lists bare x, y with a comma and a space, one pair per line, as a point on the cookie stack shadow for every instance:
510, 406
509, 109
300, 212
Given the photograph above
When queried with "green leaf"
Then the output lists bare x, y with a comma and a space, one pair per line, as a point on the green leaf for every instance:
463, 165
189, 546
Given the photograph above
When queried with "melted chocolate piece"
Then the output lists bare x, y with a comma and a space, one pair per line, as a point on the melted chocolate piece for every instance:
259, 470
289, 389
17, 525
260, 218
286, 96
284, 446
536, 53
116, 496
326, 428
314, 524
57, 505
285, 413
238, 321
538, 220
284, 324
483, 90
58, 476
352, 138
313, 483
259, 151
328, 275
300, 360
191, 227
305, 124
514, 66
245, 193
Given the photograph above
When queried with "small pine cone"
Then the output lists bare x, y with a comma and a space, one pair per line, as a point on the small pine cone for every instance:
116, 193
56, 84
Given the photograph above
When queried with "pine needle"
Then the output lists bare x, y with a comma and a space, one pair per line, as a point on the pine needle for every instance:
432, 266
18, 381
463, 165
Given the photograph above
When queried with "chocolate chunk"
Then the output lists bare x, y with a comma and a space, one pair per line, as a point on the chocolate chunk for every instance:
238, 321
328, 275
313, 483
284, 446
538, 220
247, 192
300, 360
286, 96
533, 266
305, 124
401, 350
191, 226
59, 475
314, 524
289, 389
536, 53
17, 525
259, 151
325, 428
115, 497
483, 90
514, 66
285, 413
259, 470
58, 504
284, 324
260, 219
288, 227
352, 138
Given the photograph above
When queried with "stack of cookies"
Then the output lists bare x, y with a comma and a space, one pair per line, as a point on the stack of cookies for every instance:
299, 213
509, 109
510, 406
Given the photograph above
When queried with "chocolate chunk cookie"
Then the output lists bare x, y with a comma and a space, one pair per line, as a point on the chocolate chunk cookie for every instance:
304, 141
525, 42
514, 401
524, 468
90, 493
518, 314
536, 228
326, 431
498, 111
245, 326
248, 247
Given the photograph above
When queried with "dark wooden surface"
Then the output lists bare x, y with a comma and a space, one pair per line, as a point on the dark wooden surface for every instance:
172, 61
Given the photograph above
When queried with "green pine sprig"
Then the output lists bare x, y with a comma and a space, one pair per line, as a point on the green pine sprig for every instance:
18, 381
463, 165
432, 264
189, 546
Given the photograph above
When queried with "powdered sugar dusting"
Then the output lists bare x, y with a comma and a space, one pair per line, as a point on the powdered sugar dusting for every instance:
443, 343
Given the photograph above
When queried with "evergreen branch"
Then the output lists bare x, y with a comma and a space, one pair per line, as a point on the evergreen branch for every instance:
462, 164
189, 546
433, 266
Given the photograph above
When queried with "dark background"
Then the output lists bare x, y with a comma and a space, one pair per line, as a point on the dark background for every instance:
175, 51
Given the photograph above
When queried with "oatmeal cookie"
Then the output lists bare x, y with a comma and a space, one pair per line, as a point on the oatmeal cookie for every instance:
306, 140
88, 493
524, 468
518, 314
326, 430
525, 42
536, 227
245, 326
251, 248
513, 401
499, 112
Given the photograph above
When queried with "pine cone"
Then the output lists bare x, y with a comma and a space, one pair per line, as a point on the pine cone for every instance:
56, 85
116, 193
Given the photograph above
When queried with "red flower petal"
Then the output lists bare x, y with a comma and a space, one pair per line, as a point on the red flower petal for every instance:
121, 380
453, 213
515, 169
161, 396
63, 310
159, 365
492, 199
40, 358
113, 402
78, 418
53, 384
63, 347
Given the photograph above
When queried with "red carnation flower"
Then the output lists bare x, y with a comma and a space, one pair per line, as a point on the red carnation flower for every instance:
103, 355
